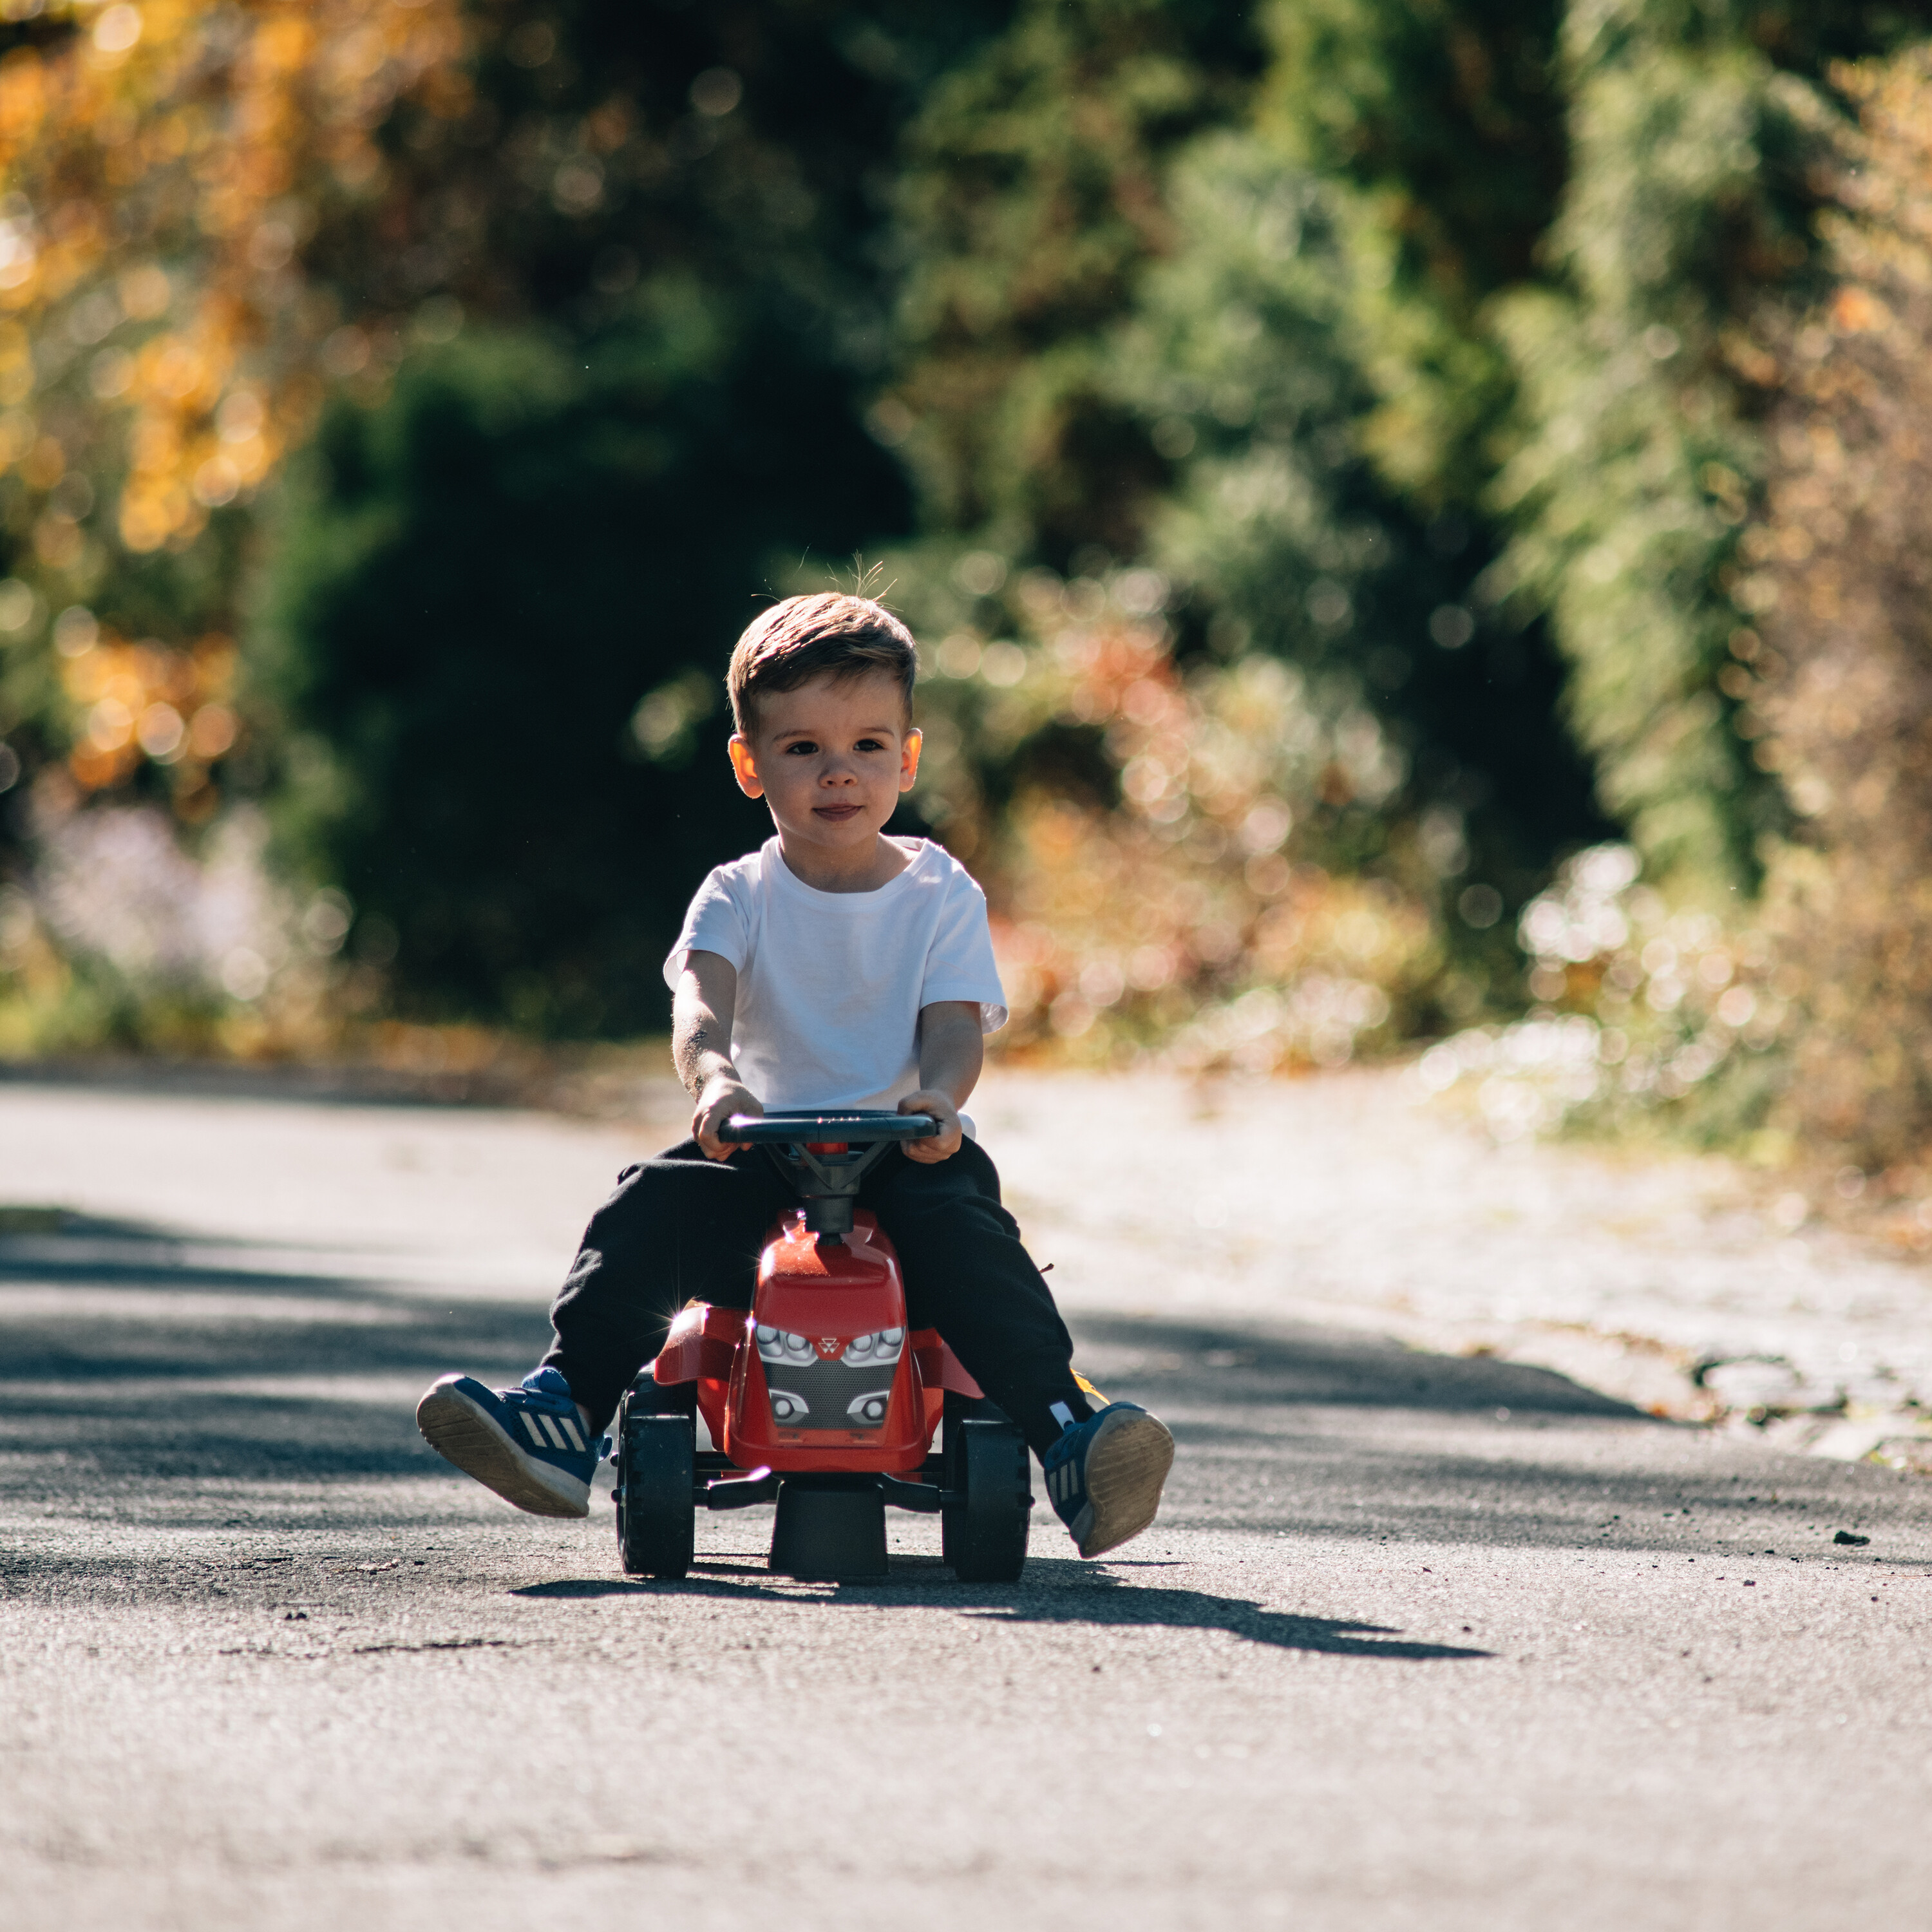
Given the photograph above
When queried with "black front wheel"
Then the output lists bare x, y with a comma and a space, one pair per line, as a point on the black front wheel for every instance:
657, 1517
983, 1524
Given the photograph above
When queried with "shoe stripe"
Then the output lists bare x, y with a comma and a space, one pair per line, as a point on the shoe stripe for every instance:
481, 1442
549, 1425
570, 1429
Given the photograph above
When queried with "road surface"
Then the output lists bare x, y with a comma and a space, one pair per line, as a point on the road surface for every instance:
1422, 1638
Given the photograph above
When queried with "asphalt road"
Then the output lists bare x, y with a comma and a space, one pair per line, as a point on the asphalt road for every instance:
1421, 1639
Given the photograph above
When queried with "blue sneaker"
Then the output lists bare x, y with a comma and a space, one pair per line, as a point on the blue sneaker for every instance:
526, 1443
1104, 1475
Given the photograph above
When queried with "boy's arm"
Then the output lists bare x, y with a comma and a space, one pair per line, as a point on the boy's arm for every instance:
952, 1050
702, 1010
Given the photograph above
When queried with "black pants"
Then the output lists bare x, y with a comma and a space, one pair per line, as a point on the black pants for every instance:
682, 1228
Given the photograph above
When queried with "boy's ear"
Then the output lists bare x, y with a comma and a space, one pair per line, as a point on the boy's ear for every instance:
744, 767
909, 748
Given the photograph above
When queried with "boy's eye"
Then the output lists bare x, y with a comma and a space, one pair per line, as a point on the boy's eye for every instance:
800, 747
870, 744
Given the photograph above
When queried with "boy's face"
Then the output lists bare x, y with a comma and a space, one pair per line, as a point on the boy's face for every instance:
830, 759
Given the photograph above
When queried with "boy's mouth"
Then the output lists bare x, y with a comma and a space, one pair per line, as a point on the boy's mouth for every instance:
838, 813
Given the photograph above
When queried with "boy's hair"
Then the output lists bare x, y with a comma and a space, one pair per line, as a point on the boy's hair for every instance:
804, 636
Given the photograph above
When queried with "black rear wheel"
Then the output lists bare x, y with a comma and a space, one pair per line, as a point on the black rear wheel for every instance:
657, 1517
983, 1526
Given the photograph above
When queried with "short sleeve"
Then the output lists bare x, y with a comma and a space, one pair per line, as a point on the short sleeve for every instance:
714, 923
960, 963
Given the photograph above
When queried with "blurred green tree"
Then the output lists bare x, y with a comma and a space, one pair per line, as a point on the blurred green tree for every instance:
1263, 367
1686, 227
1032, 200
502, 599
1438, 131
494, 634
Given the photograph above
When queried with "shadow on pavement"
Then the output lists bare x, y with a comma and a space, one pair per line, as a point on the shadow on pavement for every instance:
237, 1376
1055, 1590
380, 1326
117, 1388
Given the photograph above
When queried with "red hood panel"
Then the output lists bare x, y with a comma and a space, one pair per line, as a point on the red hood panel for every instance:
809, 1286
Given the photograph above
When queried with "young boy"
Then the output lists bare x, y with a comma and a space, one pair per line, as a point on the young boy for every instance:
834, 967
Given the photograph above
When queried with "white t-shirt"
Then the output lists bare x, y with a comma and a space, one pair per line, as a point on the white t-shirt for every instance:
830, 984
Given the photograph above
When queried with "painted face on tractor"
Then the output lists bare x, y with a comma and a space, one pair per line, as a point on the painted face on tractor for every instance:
830, 1381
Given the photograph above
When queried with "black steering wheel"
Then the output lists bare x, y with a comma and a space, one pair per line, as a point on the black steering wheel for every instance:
857, 1127
824, 1156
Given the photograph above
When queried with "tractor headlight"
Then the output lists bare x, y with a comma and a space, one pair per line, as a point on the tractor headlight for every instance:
868, 1411
775, 1344
788, 1408
877, 1351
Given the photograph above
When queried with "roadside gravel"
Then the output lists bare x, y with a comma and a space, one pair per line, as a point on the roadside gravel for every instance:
1349, 1199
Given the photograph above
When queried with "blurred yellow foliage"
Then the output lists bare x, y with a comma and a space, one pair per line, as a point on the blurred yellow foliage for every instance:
1836, 676
143, 699
160, 169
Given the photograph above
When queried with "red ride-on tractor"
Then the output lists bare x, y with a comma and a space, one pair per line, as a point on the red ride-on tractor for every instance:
819, 1398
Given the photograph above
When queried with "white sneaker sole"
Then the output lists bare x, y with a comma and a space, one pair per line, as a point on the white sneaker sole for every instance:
471, 1438
1126, 1468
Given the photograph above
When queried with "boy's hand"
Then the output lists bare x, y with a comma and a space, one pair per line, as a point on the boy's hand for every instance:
718, 1099
946, 1142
